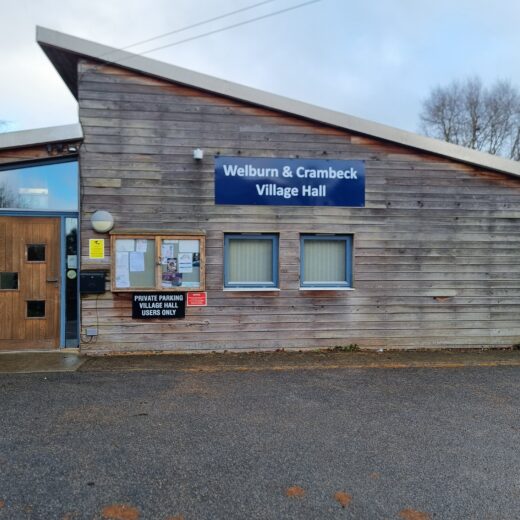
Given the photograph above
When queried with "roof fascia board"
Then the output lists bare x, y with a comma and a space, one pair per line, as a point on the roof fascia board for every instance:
124, 59
52, 134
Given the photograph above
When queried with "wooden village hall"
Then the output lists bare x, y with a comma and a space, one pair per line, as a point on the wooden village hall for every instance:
187, 213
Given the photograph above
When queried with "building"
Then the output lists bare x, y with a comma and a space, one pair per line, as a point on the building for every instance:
244, 220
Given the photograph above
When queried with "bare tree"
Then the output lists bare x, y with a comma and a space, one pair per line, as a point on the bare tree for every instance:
8, 198
469, 114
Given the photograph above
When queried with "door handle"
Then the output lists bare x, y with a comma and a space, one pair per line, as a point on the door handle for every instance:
52, 280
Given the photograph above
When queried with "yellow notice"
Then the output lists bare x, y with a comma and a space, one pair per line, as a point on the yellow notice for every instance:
96, 248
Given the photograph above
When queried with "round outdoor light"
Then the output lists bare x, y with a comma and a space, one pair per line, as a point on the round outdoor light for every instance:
102, 221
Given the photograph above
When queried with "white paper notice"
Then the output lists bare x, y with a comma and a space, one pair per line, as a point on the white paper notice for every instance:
125, 244
123, 281
136, 262
188, 246
185, 262
121, 262
122, 271
166, 252
72, 261
141, 246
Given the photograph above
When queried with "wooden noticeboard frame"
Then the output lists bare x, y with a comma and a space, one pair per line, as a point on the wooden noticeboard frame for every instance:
158, 238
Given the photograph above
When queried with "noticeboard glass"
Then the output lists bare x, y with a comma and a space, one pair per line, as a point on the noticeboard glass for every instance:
180, 263
134, 263
162, 263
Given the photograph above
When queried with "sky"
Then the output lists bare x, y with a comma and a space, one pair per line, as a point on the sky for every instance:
374, 59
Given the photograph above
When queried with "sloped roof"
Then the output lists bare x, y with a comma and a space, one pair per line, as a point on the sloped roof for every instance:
51, 134
64, 51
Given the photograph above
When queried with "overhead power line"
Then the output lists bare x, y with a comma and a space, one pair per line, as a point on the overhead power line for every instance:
198, 24
245, 22
222, 29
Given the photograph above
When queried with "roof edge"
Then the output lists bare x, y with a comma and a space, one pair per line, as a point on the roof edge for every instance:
35, 136
86, 48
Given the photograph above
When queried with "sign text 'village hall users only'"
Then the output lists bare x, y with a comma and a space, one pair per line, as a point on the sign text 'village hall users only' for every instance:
289, 182
158, 305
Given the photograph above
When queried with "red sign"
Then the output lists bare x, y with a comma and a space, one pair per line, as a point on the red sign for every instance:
197, 299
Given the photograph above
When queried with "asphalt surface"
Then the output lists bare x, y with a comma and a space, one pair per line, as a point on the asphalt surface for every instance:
410, 444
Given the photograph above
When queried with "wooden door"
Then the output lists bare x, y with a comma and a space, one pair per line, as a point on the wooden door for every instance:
29, 283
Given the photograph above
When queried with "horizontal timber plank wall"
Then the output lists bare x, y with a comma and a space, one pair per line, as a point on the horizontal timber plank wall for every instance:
436, 247
13, 156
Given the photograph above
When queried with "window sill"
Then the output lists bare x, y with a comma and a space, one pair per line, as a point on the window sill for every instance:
327, 289
251, 289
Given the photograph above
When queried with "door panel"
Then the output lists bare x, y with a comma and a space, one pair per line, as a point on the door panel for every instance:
30, 313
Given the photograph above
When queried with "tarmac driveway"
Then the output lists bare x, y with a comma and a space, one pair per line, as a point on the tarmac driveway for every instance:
408, 444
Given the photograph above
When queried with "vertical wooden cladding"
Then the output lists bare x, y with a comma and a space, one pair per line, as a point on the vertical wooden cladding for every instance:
37, 281
436, 246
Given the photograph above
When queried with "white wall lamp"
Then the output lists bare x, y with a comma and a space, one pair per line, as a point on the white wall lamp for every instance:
102, 221
198, 154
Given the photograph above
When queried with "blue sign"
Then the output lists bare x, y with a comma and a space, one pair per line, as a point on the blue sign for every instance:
289, 182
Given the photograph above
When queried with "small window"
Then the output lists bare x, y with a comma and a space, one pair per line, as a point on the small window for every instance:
250, 261
36, 252
8, 281
326, 261
36, 309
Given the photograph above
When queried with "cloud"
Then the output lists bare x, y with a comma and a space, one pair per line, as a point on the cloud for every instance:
372, 59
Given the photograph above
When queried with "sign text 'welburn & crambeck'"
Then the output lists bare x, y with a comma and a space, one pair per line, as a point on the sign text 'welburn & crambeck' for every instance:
302, 182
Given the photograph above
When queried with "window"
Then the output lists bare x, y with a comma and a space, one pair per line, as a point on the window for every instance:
43, 186
36, 252
36, 309
157, 262
250, 261
8, 281
326, 261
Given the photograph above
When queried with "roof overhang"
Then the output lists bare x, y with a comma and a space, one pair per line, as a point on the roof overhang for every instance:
64, 51
36, 136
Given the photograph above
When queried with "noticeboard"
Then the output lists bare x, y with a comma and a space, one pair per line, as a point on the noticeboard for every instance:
157, 262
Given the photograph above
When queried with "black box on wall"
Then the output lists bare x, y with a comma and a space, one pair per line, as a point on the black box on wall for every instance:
92, 282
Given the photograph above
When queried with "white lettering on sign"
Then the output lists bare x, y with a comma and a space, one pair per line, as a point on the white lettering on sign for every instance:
249, 171
314, 191
277, 181
158, 305
158, 297
272, 190
151, 313
330, 173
